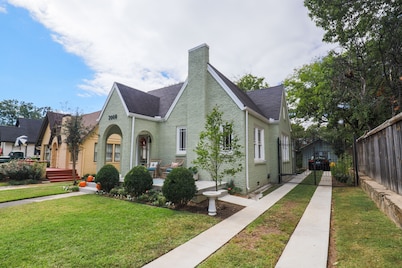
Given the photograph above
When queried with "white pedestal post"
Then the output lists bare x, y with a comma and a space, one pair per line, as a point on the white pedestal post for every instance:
212, 196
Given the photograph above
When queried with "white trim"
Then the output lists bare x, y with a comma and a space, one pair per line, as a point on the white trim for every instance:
247, 175
179, 141
149, 118
176, 100
262, 118
225, 87
259, 144
132, 141
114, 88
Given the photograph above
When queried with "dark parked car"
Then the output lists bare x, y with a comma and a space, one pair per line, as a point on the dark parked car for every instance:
319, 163
11, 156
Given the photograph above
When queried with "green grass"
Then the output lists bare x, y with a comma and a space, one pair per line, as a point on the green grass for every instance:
262, 242
92, 231
36, 190
364, 236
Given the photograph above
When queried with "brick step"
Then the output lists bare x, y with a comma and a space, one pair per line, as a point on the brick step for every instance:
59, 175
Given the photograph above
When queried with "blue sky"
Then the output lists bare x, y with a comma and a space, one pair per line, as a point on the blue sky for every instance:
36, 69
68, 54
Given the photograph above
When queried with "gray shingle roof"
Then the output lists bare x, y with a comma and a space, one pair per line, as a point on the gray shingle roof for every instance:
153, 103
24, 126
269, 100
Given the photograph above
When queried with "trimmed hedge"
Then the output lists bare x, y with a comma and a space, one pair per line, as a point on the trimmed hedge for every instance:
179, 186
138, 181
108, 177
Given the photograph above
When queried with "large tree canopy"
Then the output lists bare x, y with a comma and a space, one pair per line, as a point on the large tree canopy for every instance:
359, 84
11, 110
370, 31
250, 82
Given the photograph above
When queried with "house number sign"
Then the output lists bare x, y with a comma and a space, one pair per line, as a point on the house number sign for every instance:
113, 117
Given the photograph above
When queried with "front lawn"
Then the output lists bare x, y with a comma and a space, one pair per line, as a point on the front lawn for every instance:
92, 231
32, 191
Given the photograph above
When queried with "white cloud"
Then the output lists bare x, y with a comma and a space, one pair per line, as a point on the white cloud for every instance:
144, 44
3, 9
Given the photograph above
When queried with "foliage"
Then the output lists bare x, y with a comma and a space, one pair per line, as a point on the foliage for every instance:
71, 188
118, 191
193, 169
154, 197
11, 110
108, 177
179, 186
218, 150
250, 82
360, 84
232, 188
138, 181
75, 132
369, 68
17, 170
341, 170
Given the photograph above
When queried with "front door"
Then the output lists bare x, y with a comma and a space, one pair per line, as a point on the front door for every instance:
143, 149
53, 162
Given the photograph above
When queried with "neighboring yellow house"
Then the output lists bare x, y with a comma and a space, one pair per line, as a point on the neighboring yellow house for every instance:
54, 150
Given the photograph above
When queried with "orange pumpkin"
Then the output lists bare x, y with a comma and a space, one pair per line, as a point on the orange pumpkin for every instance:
98, 186
90, 178
82, 184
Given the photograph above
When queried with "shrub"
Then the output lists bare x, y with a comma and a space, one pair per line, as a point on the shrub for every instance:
179, 186
18, 170
340, 170
232, 188
138, 181
108, 177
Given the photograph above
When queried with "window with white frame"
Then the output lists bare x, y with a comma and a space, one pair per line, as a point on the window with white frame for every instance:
109, 152
181, 140
259, 150
95, 152
227, 138
117, 153
285, 148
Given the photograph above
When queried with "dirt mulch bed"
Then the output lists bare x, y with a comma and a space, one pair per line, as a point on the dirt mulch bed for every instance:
223, 209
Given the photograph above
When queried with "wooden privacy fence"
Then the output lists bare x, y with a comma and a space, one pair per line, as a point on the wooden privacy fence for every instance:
380, 154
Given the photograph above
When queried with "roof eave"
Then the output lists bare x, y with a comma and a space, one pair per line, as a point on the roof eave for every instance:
261, 117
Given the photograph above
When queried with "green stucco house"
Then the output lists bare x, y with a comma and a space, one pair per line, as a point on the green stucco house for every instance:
165, 123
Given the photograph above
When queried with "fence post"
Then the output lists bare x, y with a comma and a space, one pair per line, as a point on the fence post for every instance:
355, 161
279, 161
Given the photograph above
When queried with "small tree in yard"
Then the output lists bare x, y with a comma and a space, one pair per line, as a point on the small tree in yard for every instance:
75, 133
218, 150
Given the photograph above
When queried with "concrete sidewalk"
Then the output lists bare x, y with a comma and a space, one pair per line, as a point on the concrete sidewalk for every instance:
193, 252
308, 245
39, 199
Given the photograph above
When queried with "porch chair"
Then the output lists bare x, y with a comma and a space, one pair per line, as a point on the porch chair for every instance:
166, 169
154, 166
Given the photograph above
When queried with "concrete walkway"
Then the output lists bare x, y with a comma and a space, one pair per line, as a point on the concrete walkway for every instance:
308, 245
193, 252
39, 199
